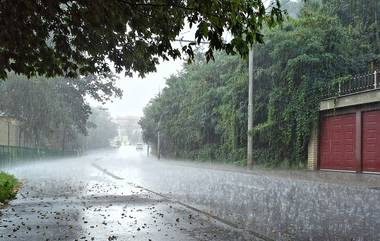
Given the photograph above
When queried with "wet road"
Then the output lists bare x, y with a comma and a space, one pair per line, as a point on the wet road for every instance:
122, 195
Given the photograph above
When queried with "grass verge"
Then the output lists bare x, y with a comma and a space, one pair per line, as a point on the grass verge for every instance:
8, 187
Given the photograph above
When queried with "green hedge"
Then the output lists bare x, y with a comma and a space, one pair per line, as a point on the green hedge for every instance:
8, 185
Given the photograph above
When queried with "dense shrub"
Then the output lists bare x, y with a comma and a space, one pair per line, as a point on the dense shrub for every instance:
8, 185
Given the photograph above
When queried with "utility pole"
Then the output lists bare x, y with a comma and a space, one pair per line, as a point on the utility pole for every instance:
376, 27
158, 145
250, 160
158, 138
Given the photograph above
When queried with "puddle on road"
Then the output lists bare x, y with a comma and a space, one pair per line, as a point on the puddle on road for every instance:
81, 203
375, 188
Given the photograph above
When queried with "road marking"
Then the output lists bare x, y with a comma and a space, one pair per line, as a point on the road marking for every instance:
107, 172
221, 220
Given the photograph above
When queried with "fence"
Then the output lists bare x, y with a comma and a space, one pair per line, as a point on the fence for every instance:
17, 153
357, 83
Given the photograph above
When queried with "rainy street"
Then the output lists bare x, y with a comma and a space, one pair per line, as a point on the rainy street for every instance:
124, 195
190, 120
71, 199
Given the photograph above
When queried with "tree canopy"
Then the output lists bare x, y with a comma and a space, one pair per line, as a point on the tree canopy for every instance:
53, 112
71, 37
101, 130
203, 109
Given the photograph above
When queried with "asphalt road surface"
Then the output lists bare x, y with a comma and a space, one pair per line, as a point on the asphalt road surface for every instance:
124, 195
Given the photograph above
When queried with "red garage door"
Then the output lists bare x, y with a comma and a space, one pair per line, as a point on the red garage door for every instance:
337, 143
371, 141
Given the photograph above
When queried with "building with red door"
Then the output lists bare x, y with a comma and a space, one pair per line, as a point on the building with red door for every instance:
347, 137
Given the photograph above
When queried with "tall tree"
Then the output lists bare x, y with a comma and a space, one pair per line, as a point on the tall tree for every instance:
71, 37
101, 130
202, 111
52, 112
362, 17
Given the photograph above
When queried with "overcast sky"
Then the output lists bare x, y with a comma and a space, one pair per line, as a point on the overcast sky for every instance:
137, 91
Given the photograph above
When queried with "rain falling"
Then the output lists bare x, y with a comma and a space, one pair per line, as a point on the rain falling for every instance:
189, 120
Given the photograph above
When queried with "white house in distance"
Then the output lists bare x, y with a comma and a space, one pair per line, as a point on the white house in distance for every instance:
9, 131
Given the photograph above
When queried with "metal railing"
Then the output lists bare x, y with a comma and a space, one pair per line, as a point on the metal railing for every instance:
13, 155
18, 153
355, 84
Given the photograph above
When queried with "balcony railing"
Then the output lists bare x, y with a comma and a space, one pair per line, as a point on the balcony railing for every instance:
357, 83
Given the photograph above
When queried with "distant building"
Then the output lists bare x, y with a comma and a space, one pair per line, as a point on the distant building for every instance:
9, 131
129, 130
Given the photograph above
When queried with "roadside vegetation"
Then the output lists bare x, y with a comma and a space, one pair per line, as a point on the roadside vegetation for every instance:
8, 186
53, 113
202, 112
53, 62
100, 130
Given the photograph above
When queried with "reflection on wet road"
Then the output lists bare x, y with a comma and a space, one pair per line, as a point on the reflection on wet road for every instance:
70, 199
123, 195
